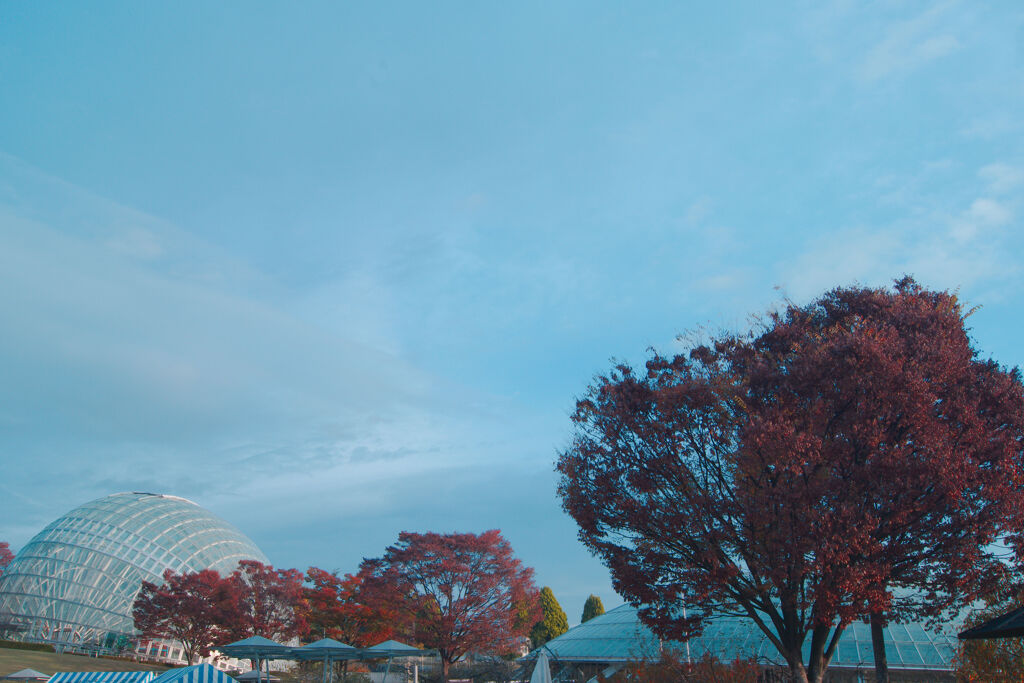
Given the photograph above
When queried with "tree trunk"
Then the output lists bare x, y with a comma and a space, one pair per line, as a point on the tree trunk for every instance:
797, 672
811, 674
878, 645
444, 669
816, 657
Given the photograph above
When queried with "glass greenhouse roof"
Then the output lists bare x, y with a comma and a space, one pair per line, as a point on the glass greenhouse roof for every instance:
76, 580
618, 635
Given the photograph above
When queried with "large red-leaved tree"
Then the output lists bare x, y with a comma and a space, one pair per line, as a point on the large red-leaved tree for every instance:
191, 608
334, 607
269, 602
463, 592
802, 473
903, 399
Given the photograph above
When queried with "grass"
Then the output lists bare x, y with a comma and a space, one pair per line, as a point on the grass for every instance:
50, 663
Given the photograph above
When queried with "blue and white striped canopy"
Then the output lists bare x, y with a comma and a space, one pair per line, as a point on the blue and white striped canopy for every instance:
197, 673
102, 677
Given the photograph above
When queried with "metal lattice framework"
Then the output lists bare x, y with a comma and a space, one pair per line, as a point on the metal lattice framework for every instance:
619, 636
76, 580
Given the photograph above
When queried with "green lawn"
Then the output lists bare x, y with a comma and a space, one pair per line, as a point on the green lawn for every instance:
48, 663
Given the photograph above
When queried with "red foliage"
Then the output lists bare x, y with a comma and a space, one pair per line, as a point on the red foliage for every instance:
5, 556
990, 660
671, 668
463, 592
799, 474
269, 602
190, 608
334, 607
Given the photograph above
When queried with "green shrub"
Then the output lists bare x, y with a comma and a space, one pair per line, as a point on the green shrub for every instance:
18, 645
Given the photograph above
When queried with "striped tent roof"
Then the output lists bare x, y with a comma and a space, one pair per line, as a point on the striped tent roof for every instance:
197, 673
102, 677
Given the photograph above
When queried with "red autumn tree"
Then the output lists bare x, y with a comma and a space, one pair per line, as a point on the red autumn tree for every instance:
801, 473
466, 592
929, 430
335, 607
7, 626
191, 608
6, 556
269, 602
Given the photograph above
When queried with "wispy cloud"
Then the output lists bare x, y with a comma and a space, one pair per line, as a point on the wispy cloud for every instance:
910, 44
1002, 178
992, 126
944, 244
141, 357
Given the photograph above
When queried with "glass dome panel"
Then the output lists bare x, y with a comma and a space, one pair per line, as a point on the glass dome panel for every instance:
76, 580
618, 635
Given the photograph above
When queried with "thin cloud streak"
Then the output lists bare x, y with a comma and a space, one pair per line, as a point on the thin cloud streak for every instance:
164, 377
971, 246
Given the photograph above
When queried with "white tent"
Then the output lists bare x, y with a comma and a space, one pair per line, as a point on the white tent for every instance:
542, 670
27, 675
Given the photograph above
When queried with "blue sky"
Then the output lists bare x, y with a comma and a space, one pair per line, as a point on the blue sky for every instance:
335, 271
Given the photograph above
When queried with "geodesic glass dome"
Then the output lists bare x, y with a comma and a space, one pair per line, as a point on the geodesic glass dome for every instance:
76, 580
620, 636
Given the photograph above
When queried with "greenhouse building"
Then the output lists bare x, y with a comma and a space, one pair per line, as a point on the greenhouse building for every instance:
608, 642
74, 583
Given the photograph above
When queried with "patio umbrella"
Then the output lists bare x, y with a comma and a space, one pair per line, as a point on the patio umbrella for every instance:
542, 670
254, 675
259, 648
326, 649
392, 649
27, 675
1007, 625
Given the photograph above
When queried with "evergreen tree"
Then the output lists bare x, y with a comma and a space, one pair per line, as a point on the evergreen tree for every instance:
553, 624
593, 607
